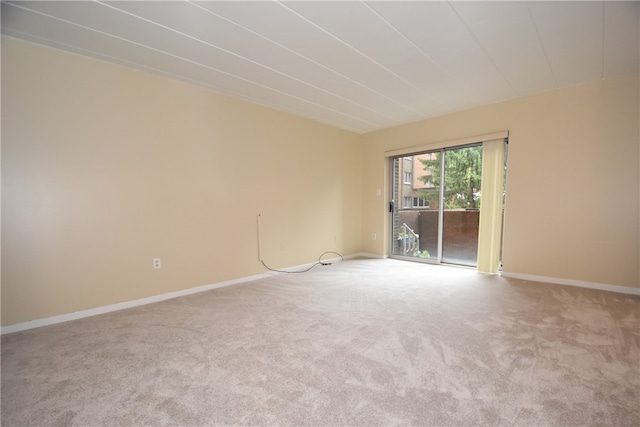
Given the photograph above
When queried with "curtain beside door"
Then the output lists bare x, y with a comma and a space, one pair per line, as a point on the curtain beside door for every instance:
490, 229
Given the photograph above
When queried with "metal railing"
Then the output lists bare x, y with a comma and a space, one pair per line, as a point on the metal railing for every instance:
410, 240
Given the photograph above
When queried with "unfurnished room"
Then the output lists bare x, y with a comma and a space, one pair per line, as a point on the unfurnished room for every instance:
327, 213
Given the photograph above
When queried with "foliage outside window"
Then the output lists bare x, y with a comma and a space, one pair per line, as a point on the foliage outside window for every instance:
462, 180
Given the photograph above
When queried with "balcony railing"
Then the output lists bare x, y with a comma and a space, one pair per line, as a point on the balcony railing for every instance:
410, 240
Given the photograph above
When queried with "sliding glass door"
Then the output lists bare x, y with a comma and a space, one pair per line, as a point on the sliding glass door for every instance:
415, 209
435, 219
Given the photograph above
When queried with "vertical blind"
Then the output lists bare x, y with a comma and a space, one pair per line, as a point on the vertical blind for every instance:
490, 229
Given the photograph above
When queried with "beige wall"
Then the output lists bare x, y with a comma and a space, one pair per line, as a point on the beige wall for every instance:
572, 189
105, 168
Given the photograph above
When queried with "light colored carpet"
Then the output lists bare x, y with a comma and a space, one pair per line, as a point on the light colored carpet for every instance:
360, 342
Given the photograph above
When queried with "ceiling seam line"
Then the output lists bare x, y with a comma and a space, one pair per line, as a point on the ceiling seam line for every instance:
85, 53
418, 48
475, 38
304, 57
355, 50
546, 55
248, 60
196, 63
74, 50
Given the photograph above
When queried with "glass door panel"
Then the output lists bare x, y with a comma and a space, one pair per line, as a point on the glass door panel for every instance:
461, 203
415, 207
433, 219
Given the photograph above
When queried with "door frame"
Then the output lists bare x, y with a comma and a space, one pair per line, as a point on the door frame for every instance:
491, 236
397, 205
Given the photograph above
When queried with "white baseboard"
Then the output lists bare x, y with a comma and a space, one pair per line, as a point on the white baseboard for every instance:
176, 294
578, 283
124, 305
366, 255
152, 299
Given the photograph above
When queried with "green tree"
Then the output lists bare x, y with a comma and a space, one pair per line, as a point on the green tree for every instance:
463, 173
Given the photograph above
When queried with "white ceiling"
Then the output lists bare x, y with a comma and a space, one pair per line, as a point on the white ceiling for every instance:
360, 66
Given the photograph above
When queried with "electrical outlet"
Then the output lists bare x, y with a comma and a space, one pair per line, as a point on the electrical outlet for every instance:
156, 263
373, 236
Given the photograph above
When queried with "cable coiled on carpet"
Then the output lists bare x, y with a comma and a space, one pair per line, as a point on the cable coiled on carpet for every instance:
319, 262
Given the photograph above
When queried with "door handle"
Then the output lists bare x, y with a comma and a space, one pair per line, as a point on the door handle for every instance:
391, 206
